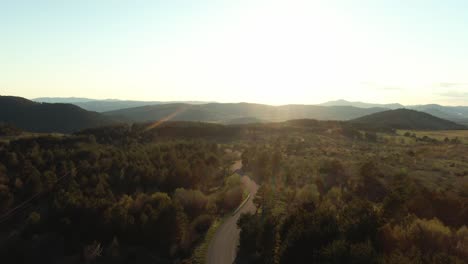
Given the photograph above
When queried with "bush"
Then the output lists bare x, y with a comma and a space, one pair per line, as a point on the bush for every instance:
232, 198
34, 218
194, 202
308, 194
202, 223
430, 237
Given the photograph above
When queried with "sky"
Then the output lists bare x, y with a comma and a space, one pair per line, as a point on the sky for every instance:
262, 51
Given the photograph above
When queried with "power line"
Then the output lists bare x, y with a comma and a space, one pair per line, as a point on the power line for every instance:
25, 203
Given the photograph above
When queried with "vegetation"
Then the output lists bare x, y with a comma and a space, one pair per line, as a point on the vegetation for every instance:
331, 192
43, 117
67, 118
97, 105
408, 119
458, 114
238, 113
98, 198
344, 197
459, 136
9, 130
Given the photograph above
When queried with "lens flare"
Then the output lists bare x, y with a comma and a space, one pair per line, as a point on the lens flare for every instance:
167, 118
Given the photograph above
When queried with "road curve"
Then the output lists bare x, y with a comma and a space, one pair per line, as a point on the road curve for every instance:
223, 246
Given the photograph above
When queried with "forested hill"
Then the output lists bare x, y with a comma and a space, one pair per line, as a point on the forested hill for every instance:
44, 117
407, 119
67, 118
105, 105
239, 112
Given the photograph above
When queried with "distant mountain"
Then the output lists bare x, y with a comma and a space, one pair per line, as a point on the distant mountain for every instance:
407, 119
243, 120
342, 102
458, 114
454, 113
104, 105
230, 112
65, 100
44, 117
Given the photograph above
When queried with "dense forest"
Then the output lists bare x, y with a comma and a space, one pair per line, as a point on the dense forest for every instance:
99, 198
330, 192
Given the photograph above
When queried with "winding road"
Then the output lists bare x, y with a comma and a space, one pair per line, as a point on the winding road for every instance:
223, 246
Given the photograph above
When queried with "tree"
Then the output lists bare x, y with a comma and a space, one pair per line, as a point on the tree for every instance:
335, 173
370, 185
371, 136
194, 202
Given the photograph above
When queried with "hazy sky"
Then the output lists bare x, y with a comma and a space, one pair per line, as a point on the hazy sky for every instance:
277, 52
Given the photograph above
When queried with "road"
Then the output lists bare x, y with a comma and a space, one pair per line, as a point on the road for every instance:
223, 246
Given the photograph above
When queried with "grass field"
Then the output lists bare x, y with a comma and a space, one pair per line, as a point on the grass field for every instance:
28, 135
462, 135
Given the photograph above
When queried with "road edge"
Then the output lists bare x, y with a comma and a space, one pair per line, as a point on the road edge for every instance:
241, 205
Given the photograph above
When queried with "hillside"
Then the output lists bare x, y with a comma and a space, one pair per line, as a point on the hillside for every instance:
407, 119
64, 100
44, 117
457, 114
9, 130
226, 112
103, 105
342, 102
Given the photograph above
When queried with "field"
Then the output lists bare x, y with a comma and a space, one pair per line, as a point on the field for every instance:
462, 135
376, 188
25, 135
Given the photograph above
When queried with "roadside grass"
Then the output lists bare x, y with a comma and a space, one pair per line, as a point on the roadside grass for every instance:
244, 201
245, 193
199, 254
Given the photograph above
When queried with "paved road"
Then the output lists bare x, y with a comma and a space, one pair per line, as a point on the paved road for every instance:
223, 246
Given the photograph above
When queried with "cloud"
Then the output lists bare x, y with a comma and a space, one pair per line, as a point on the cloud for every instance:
391, 88
378, 86
454, 94
451, 85
453, 90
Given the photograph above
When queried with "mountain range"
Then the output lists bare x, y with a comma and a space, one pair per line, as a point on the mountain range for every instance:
242, 112
104, 105
342, 102
457, 114
70, 117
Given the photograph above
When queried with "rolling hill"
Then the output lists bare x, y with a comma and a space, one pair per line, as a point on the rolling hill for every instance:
238, 112
103, 105
66, 118
407, 119
458, 114
44, 117
342, 102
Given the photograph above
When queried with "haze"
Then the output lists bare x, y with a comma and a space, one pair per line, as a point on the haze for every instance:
274, 52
